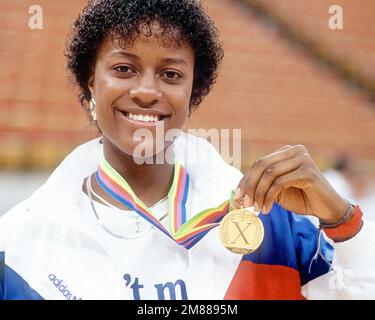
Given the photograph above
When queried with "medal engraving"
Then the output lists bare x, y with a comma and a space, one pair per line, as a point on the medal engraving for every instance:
241, 231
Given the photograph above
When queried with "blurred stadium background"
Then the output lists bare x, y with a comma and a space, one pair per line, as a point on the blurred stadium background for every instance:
287, 78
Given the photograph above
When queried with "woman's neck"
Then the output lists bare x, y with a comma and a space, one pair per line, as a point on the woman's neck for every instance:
150, 182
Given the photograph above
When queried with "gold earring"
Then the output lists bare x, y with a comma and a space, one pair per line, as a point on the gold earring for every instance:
92, 109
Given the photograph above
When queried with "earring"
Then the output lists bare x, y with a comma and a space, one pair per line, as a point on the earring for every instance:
92, 109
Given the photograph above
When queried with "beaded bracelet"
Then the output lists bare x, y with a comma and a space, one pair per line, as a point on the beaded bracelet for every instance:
341, 220
346, 230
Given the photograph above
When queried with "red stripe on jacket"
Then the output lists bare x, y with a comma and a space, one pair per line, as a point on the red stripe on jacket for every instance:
264, 282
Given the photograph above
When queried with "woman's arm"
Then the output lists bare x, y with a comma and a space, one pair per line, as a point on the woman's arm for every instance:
290, 178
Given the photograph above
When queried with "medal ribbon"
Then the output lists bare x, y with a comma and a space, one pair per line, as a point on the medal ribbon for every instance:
185, 233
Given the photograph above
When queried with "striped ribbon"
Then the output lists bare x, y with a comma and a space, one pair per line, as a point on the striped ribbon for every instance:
185, 233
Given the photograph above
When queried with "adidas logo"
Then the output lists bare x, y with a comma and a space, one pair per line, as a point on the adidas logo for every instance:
62, 287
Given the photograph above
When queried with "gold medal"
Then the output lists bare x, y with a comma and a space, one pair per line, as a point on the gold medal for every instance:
241, 231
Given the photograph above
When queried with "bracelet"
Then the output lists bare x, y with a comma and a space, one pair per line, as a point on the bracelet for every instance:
341, 220
347, 229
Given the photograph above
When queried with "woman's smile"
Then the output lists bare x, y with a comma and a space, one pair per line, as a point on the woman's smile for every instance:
139, 87
142, 118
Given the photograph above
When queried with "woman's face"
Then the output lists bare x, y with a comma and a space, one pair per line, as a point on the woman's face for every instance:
144, 86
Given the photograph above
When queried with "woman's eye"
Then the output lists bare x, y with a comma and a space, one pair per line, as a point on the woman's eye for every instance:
172, 75
124, 69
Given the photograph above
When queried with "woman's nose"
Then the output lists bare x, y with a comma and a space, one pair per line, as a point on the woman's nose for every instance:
145, 94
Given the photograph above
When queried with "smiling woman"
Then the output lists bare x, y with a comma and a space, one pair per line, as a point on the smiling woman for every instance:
139, 87
113, 228
155, 61
176, 23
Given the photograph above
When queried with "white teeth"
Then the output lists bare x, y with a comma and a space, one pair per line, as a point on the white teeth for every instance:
144, 118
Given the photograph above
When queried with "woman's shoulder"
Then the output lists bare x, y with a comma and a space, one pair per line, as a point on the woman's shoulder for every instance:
197, 153
61, 189
210, 175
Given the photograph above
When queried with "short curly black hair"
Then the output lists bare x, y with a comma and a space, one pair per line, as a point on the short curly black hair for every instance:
125, 19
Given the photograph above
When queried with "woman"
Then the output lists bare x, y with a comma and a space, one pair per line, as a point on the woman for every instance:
107, 226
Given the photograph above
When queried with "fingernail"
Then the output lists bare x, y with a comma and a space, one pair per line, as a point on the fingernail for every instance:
247, 201
237, 194
256, 206
236, 205
264, 210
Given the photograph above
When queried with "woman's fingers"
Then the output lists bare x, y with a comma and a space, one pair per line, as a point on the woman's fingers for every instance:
270, 176
253, 175
281, 183
260, 176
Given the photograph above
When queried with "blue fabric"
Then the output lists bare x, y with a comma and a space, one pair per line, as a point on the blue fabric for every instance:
13, 286
291, 240
2, 274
